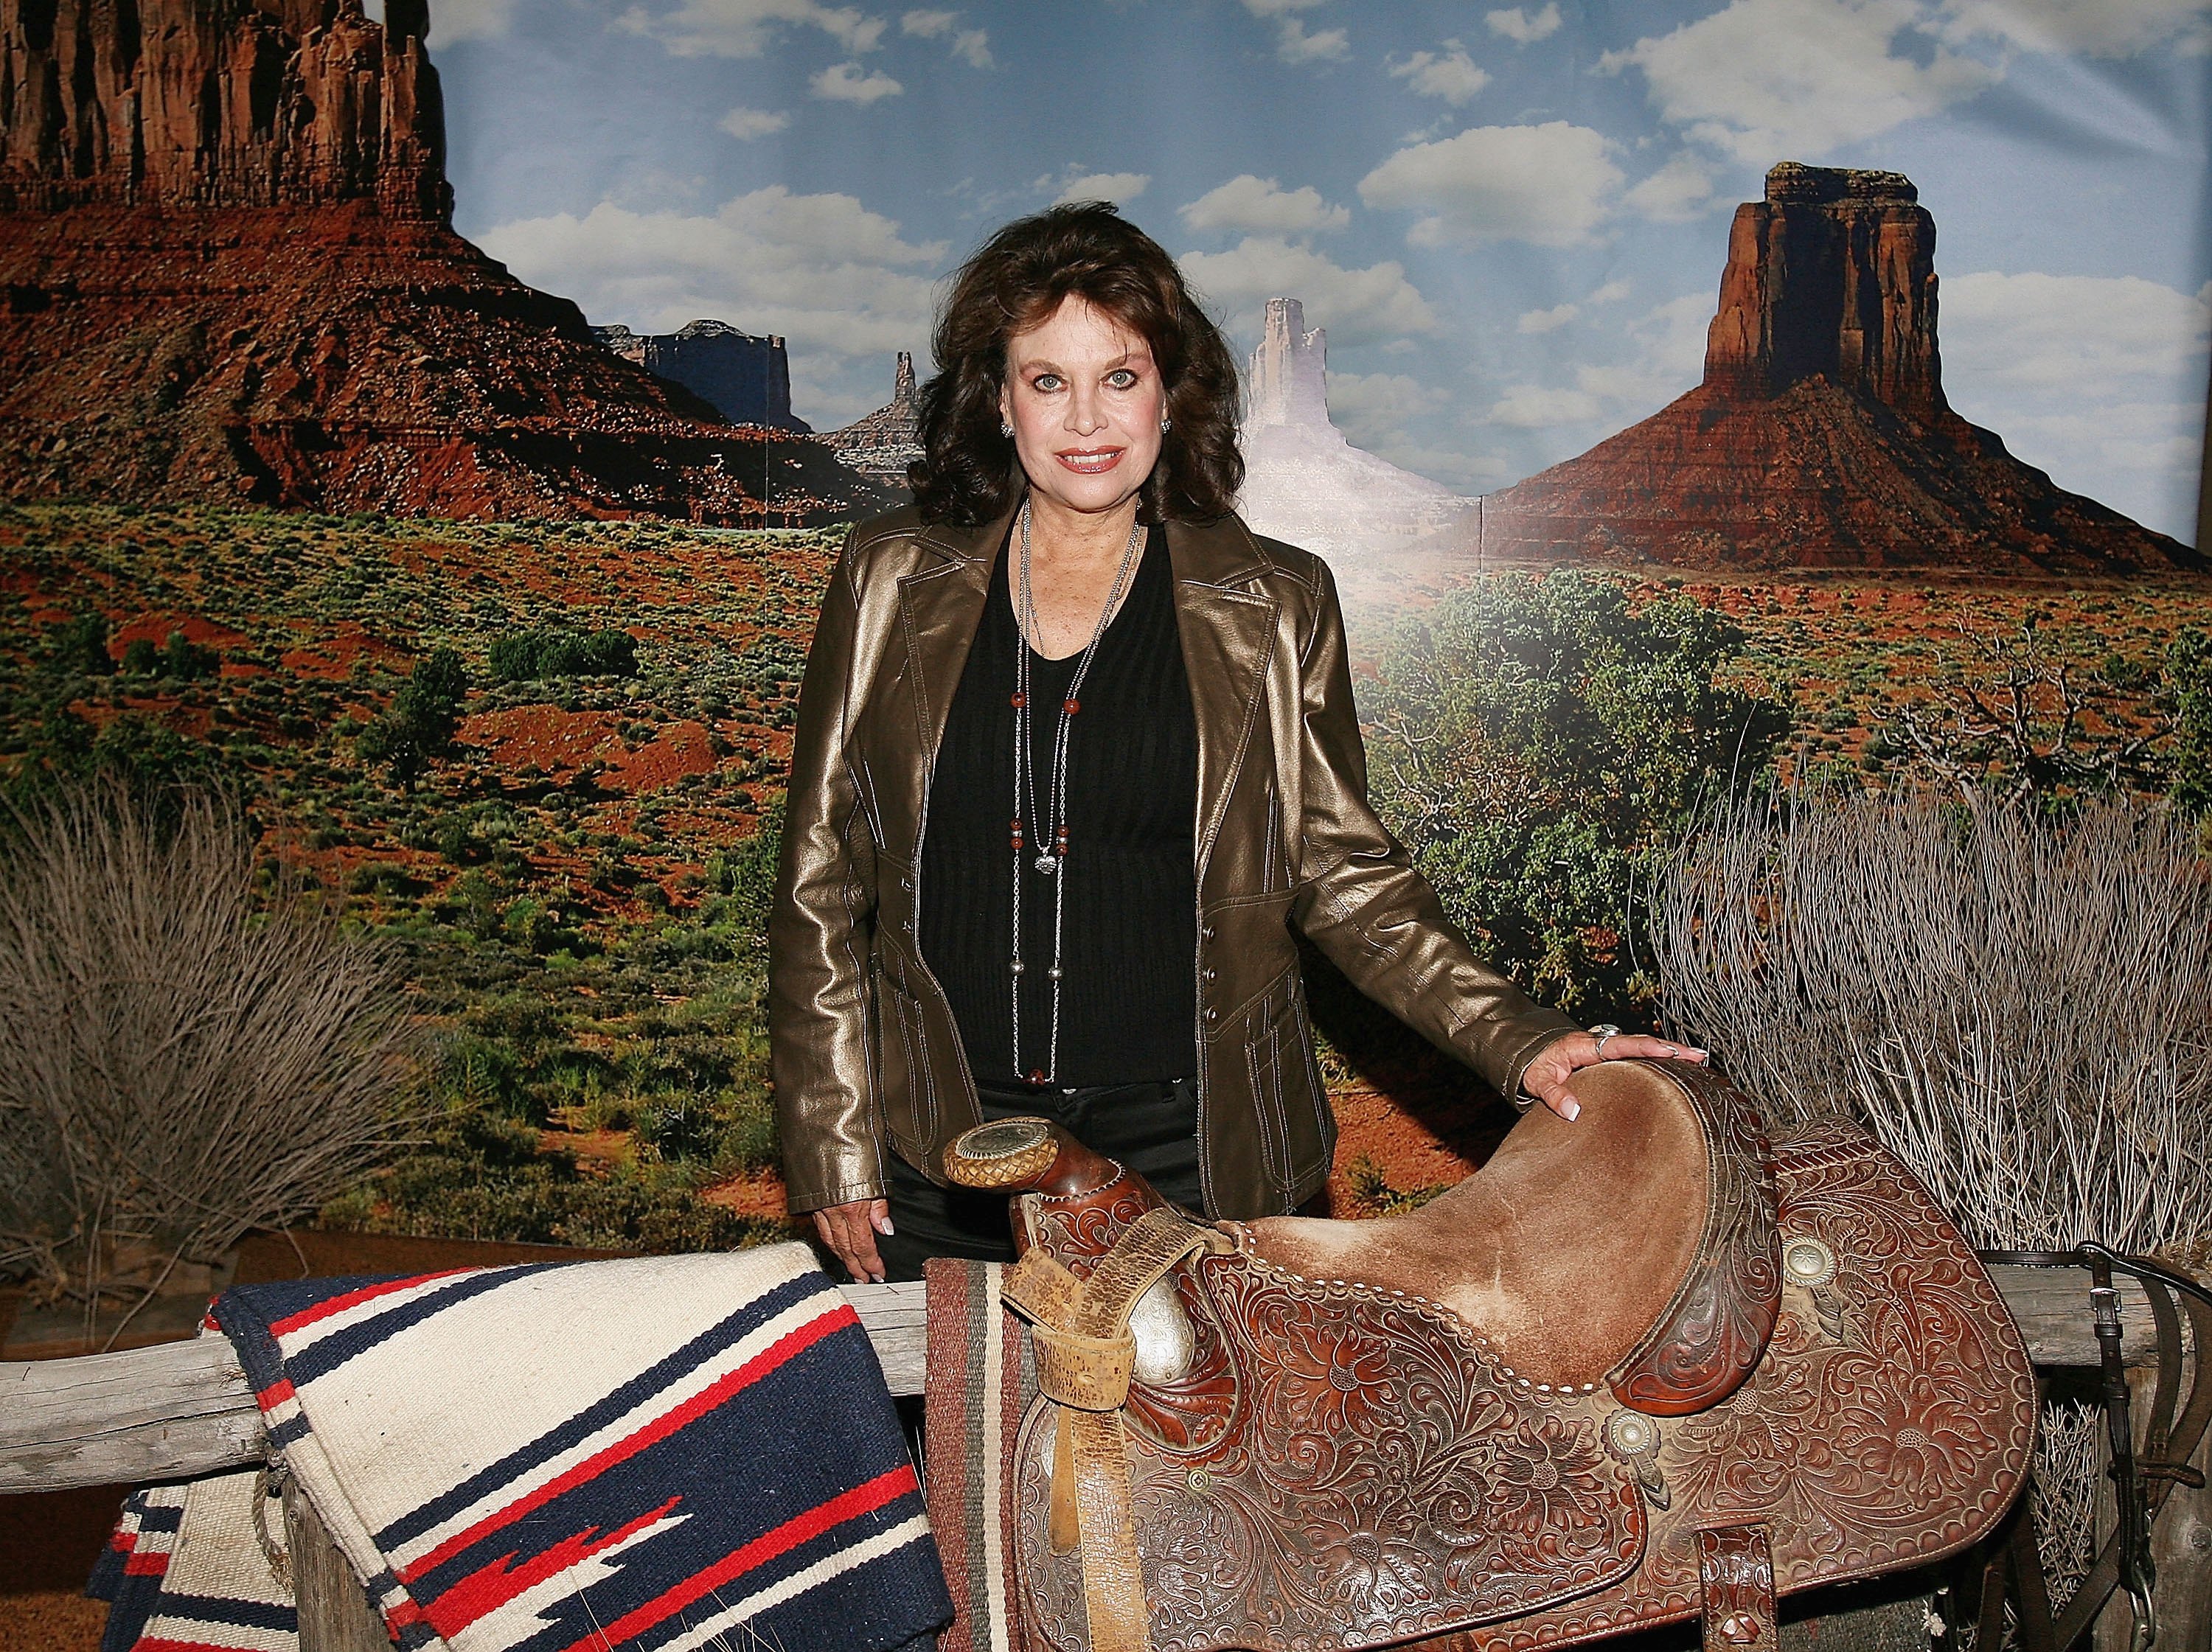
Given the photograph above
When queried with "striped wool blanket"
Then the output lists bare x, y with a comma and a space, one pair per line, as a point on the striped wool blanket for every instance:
662, 1454
218, 1589
982, 1379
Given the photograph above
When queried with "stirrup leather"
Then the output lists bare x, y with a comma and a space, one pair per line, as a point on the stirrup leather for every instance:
1086, 1357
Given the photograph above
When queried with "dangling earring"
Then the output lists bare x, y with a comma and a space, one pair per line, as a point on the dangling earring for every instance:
1005, 429
1166, 425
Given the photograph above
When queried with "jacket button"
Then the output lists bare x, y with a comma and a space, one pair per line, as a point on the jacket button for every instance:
1213, 1014
1209, 975
1206, 931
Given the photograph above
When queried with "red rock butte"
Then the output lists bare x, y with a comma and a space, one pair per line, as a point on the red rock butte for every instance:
229, 275
1820, 437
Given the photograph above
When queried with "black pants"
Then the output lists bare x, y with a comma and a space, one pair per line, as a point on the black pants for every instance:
1151, 1127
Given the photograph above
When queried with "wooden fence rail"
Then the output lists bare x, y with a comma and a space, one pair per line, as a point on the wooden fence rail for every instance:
183, 1408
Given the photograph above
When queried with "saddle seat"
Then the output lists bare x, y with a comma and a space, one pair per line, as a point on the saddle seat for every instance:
1567, 1248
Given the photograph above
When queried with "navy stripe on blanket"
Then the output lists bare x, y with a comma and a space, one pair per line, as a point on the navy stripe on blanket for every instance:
322, 1358
774, 1502
587, 1422
222, 1609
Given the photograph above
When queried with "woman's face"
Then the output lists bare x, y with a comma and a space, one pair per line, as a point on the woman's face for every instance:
1084, 398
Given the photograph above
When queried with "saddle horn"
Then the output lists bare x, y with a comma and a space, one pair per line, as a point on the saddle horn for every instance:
1031, 1155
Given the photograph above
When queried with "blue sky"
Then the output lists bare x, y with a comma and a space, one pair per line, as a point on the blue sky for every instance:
1511, 220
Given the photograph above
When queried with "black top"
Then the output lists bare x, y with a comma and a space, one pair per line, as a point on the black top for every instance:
1128, 1003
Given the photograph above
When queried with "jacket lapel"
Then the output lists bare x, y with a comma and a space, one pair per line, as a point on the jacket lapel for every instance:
1228, 634
940, 606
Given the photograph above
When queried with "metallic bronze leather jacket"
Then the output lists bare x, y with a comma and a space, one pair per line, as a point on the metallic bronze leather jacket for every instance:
867, 1058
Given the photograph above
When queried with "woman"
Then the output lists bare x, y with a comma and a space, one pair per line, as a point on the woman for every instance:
1076, 756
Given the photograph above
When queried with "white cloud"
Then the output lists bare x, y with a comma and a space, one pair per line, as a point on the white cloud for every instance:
1670, 347
745, 28
1546, 320
2098, 380
1678, 192
1115, 186
1516, 24
2083, 335
1538, 407
1453, 76
822, 269
847, 82
1663, 357
2093, 28
1551, 184
1358, 306
1400, 418
974, 45
470, 20
747, 124
1261, 203
1293, 43
1772, 80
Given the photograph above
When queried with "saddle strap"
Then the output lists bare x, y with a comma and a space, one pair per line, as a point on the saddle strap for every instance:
1735, 1576
1085, 1356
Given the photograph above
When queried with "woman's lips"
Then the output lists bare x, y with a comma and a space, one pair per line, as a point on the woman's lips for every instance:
1090, 461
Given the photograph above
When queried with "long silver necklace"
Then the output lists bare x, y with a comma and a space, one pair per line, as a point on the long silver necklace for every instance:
1051, 858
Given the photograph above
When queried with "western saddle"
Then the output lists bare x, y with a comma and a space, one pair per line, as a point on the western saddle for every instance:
1640, 1367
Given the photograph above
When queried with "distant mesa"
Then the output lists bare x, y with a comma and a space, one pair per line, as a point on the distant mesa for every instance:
1303, 482
882, 444
228, 274
746, 378
1820, 436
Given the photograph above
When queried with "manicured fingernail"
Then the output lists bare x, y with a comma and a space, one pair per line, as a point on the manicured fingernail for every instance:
884, 1225
1570, 1109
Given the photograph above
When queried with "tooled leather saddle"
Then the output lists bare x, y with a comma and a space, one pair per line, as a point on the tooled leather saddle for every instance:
1640, 1367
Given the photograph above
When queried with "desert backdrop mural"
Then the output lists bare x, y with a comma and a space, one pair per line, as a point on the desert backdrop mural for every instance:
426, 431
432, 429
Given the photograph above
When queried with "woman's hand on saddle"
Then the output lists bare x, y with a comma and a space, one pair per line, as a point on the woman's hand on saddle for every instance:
851, 1229
1548, 1077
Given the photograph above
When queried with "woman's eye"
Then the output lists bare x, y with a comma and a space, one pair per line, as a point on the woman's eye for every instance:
1045, 382
1122, 378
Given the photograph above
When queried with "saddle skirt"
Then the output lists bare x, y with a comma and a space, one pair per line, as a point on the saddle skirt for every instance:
1637, 1369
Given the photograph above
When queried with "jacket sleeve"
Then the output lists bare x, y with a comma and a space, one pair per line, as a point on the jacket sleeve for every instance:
1362, 902
827, 1121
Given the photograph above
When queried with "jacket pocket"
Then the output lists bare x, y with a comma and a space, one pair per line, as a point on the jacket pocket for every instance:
1296, 1133
910, 1098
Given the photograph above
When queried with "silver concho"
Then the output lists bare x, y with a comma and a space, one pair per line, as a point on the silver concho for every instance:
1807, 1262
1634, 1439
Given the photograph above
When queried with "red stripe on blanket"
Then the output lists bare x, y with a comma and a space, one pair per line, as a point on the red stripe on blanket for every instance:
851, 1505
148, 1563
338, 1304
486, 1591
275, 1394
785, 1348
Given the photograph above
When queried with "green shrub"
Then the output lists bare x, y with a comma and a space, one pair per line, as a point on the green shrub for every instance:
2189, 681
1537, 744
141, 657
531, 656
187, 661
79, 649
419, 726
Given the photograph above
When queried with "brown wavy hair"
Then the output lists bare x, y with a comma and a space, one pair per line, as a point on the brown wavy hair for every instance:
968, 472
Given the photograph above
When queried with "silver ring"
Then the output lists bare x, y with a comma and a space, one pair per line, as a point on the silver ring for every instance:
1602, 1031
